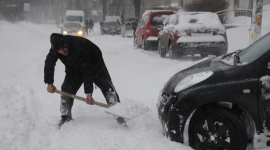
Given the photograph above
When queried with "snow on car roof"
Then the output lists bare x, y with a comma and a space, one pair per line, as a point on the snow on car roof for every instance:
74, 12
199, 20
146, 13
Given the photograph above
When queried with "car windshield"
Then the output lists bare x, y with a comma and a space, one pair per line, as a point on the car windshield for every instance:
72, 25
74, 18
255, 50
158, 18
110, 24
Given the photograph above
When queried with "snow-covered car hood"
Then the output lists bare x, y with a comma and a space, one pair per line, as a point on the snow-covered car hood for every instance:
212, 64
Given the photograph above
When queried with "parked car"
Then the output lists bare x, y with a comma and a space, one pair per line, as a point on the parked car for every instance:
72, 28
146, 34
192, 33
220, 103
129, 21
110, 27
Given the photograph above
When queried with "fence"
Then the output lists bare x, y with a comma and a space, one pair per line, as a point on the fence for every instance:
235, 17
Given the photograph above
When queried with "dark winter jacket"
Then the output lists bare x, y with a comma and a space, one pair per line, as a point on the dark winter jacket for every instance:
84, 60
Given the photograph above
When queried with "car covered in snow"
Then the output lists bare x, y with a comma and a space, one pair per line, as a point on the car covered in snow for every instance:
189, 33
110, 27
73, 28
146, 35
222, 102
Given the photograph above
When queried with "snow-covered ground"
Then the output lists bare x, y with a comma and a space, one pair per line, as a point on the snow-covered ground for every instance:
29, 114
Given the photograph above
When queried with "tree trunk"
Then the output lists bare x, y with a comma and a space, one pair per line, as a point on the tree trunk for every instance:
137, 6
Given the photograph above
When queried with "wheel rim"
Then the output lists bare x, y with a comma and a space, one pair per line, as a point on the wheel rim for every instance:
213, 134
135, 42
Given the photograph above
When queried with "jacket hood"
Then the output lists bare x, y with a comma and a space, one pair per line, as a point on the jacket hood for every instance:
58, 41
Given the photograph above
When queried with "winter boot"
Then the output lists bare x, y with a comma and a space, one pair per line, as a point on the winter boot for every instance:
64, 120
111, 97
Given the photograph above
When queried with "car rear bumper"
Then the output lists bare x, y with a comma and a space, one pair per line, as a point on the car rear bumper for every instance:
210, 48
112, 31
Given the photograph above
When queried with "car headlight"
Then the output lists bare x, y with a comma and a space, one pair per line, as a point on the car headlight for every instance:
65, 32
80, 32
192, 80
106, 29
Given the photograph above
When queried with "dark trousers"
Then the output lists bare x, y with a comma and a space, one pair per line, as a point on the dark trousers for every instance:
86, 30
73, 82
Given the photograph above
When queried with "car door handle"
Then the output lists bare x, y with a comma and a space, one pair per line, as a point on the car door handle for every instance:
246, 91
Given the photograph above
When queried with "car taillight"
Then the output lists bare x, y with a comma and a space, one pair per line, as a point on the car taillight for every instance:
188, 32
181, 33
220, 32
176, 33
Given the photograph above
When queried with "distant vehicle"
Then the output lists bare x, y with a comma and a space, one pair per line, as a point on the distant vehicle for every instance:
192, 33
146, 35
220, 103
75, 16
129, 21
72, 28
110, 27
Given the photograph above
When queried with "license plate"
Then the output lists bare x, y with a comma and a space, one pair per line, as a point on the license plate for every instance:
201, 34
113, 30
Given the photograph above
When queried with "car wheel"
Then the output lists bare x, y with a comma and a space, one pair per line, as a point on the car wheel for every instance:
144, 45
172, 54
217, 128
160, 50
135, 42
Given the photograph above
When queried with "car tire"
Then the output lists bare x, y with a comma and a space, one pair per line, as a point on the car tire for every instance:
172, 54
160, 50
144, 45
136, 44
217, 128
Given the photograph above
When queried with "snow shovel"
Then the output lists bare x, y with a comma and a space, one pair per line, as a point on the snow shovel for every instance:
128, 110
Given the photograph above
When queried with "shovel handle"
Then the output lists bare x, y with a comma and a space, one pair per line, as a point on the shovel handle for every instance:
81, 98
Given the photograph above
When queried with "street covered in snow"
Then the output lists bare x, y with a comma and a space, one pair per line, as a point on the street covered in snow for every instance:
29, 114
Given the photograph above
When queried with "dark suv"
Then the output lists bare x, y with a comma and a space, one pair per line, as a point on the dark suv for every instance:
222, 102
192, 33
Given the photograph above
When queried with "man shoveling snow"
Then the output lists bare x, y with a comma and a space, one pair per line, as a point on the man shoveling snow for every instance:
83, 64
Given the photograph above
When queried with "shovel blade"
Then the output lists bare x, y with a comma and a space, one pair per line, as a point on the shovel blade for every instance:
127, 110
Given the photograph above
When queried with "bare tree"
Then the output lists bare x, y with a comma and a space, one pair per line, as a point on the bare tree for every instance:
137, 6
207, 5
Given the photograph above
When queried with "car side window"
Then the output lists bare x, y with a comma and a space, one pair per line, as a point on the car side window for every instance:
166, 21
144, 20
172, 19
